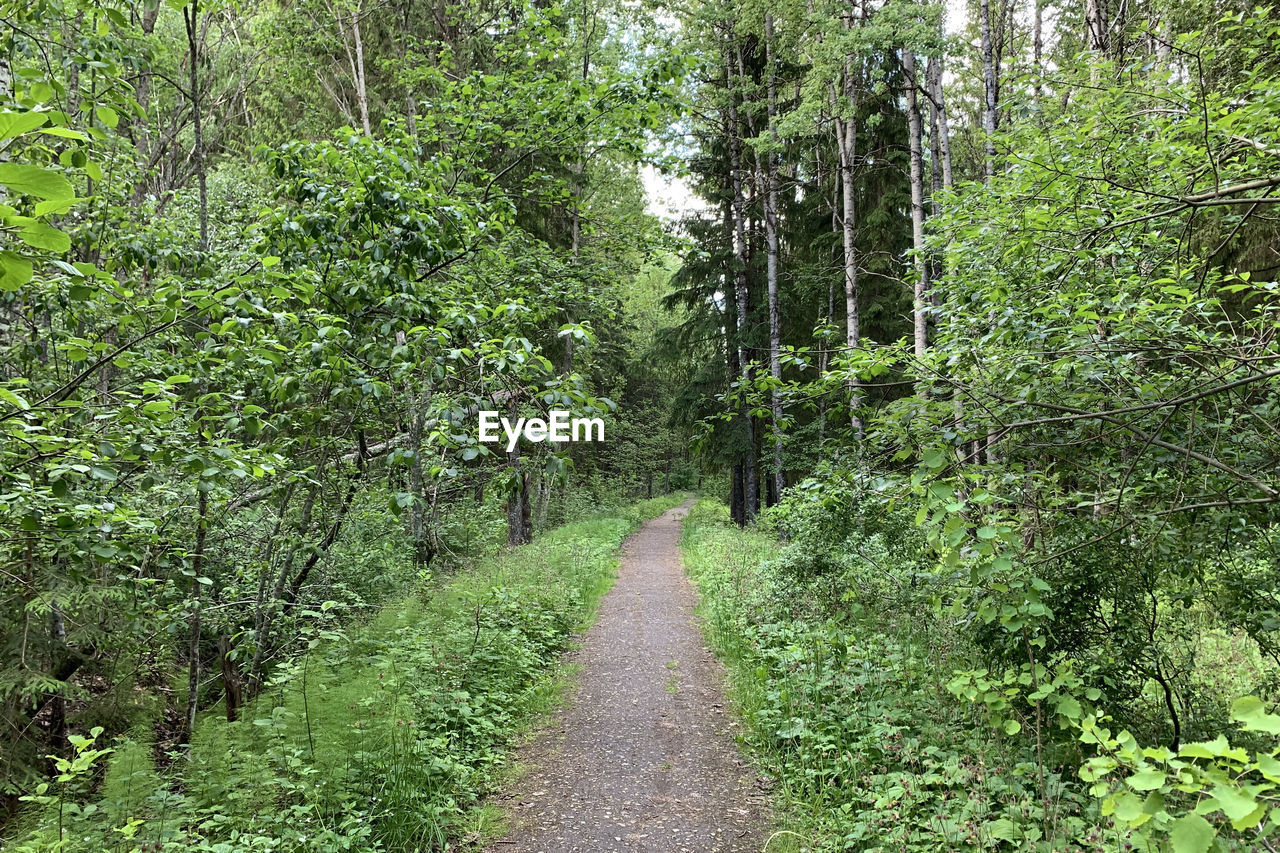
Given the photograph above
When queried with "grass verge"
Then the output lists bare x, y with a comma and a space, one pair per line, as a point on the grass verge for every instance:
845, 706
382, 738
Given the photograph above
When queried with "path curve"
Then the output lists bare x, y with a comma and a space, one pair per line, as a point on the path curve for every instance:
642, 759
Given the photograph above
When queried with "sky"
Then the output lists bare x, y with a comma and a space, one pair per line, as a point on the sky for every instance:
669, 196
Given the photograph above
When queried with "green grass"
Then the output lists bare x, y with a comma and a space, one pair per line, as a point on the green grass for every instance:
845, 706
382, 738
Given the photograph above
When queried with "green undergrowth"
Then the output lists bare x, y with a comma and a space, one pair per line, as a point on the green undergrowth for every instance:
841, 677
381, 737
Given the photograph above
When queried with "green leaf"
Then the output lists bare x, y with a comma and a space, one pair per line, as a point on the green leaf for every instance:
1252, 819
1128, 807
1205, 749
16, 124
61, 205
99, 472
1251, 713
107, 116
1235, 804
1069, 707
1003, 829
1268, 767
65, 133
42, 236
1147, 779
15, 271
13, 399
1191, 834
35, 181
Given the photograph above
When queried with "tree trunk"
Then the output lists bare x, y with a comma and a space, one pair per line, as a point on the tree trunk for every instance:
362, 92
57, 699
915, 139
847, 143
1095, 22
191, 16
989, 132
138, 125
260, 615
1164, 43
194, 622
1037, 50
989, 90
526, 512
751, 500
737, 504
737, 507
516, 501
335, 528
519, 520
231, 684
771, 240
544, 501
939, 108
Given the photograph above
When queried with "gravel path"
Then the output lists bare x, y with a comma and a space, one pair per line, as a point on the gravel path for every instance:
643, 757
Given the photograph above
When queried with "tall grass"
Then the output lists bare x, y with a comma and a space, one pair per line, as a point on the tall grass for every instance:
382, 737
843, 694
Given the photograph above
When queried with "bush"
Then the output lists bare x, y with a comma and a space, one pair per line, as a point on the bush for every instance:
846, 700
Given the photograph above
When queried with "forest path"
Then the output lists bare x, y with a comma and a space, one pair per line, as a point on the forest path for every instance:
642, 758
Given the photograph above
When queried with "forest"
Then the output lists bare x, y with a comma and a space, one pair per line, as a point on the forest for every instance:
951, 324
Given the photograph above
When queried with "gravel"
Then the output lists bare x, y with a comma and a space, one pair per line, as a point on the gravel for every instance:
643, 756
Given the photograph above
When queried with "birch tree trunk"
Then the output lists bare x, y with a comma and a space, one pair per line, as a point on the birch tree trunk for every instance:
771, 240
989, 84
1095, 21
989, 90
362, 92
1037, 50
1164, 42
846, 144
938, 109
920, 262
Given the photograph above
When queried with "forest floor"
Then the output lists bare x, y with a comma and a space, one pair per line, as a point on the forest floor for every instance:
642, 757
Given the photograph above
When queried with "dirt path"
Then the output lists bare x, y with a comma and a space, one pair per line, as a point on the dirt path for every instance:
643, 756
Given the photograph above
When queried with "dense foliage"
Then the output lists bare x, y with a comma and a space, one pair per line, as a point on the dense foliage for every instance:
975, 319
379, 736
1049, 389
262, 265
